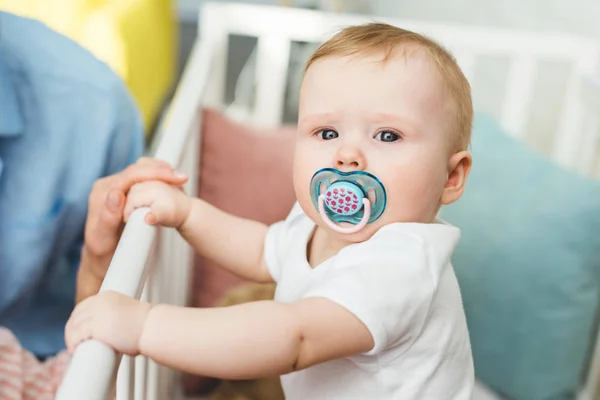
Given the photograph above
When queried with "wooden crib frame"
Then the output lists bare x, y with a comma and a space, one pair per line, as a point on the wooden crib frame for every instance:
163, 257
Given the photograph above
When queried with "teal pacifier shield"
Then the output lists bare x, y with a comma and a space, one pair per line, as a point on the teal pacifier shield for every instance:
344, 193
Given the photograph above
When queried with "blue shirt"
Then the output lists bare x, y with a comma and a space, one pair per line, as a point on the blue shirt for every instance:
65, 120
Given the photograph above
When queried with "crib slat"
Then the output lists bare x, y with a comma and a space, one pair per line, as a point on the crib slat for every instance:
140, 373
125, 377
153, 382
589, 143
578, 132
591, 125
519, 93
213, 29
155, 284
272, 60
140, 362
567, 146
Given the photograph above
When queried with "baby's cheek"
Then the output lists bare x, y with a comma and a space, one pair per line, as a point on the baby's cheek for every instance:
302, 175
305, 201
410, 197
300, 183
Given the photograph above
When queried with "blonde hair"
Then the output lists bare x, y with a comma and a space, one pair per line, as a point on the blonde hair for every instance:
388, 39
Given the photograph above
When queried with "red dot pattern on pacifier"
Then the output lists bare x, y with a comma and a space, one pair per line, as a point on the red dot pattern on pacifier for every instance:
342, 200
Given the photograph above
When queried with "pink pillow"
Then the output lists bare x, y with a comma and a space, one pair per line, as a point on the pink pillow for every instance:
246, 171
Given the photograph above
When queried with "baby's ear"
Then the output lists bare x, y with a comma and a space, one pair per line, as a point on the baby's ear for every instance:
459, 167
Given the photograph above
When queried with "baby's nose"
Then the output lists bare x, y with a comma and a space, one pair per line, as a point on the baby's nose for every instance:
350, 159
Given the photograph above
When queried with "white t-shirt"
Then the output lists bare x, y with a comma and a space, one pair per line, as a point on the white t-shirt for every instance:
401, 285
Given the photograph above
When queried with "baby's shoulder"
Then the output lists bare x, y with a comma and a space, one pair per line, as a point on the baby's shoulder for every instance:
435, 237
411, 246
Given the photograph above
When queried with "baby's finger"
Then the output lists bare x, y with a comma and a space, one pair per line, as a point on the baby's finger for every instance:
152, 161
77, 331
158, 214
141, 195
150, 218
82, 308
78, 316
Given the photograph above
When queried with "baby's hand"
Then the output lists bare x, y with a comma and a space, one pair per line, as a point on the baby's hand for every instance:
169, 205
111, 318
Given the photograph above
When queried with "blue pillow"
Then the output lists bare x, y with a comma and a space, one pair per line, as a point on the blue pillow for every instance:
528, 265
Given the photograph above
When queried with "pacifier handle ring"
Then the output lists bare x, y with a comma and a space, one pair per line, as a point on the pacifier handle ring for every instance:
355, 228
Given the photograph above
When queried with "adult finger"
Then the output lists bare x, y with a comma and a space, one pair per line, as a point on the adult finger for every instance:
146, 172
105, 223
152, 161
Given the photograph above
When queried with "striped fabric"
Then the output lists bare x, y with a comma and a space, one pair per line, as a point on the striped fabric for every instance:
22, 376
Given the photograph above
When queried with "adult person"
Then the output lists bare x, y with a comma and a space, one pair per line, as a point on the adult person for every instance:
66, 120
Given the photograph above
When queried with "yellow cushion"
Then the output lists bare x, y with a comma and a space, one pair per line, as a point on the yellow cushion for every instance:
137, 38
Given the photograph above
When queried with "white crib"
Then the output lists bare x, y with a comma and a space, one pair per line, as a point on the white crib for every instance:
158, 260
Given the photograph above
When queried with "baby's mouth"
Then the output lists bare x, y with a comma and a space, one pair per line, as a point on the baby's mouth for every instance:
347, 198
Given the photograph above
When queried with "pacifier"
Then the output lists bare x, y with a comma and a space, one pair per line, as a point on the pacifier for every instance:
344, 197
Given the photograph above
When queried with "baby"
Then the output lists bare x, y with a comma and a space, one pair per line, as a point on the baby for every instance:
367, 305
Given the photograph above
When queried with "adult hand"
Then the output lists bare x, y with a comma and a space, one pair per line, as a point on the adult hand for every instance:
104, 223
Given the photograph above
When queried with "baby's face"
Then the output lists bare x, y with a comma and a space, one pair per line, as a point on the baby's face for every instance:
384, 118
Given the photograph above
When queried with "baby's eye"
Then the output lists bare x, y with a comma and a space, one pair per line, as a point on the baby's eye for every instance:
327, 134
387, 136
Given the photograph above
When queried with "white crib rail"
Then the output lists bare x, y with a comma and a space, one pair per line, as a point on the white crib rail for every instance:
92, 370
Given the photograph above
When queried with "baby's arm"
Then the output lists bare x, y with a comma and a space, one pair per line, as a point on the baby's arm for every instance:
234, 243
239, 342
